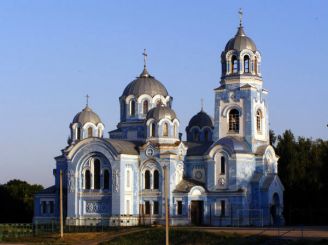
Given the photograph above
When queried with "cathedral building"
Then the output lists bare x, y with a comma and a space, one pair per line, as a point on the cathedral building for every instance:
224, 174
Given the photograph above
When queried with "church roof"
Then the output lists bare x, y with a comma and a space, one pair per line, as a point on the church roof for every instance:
240, 42
197, 149
85, 116
235, 144
125, 147
185, 185
145, 84
201, 119
49, 190
160, 112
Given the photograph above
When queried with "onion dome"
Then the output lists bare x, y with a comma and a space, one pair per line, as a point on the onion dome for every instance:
161, 112
201, 119
87, 115
145, 84
240, 42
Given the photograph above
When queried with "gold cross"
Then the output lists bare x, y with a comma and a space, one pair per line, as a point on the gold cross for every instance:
240, 12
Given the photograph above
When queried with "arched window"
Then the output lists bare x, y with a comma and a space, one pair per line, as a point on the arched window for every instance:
158, 102
165, 129
196, 135
132, 108
152, 129
106, 179
128, 179
78, 133
234, 62
255, 65
206, 135
87, 180
234, 121
156, 179
147, 179
96, 169
90, 132
246, 64
145, 107
259, 121
222, 165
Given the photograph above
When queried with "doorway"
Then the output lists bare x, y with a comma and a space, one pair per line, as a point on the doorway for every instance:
196, 212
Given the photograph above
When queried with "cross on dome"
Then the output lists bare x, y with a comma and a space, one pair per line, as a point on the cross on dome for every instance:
87, 97
240, 12
145, 57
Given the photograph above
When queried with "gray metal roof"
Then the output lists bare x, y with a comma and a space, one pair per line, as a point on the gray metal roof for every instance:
49, 190
125, 147
240, 42
160, 112
235, 144
185, 185
197, 149
145, 84
201, 119
86, 115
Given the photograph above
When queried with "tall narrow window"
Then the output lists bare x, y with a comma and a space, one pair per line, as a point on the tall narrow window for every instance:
128, 179
87, 180
206, 135
222, 165
43, 207
147, 179
106, 179
152, 130
196, 135
90, 132
223, 207
147, 207
145, 107
96, 167
246, 64
234, 121
165, 130
156, 179
132, 108
258, 121
78, 133
234, 62
156, 207
179, 207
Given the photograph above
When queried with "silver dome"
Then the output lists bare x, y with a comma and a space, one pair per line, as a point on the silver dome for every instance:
145, 84
160, 112
240, 42
85, 116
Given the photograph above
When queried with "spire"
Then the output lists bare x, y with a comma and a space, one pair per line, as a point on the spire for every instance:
145, 72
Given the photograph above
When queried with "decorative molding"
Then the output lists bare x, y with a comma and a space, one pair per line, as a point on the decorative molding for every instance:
96, 207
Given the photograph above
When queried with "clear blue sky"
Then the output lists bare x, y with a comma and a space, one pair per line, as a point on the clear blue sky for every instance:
52, 53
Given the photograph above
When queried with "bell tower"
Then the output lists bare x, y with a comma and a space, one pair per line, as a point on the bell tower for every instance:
240, 100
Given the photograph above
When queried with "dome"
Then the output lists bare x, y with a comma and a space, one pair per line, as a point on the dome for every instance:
160, 112
201, 119
145, 84
85, 116
240, 42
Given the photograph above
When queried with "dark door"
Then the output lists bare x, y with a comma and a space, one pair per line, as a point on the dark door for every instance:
196, 212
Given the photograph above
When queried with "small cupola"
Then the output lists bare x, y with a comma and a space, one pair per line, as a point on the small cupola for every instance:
200, 128
86, 124
162, 123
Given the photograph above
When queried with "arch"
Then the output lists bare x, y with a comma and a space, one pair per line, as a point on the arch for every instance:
147, 179
156, 179
234, 121
246, 64
90, 132
87, 181
132, 108
152, 129
234, 64
145, 107
106, 179
275, 208
96, 174
259, 121
165, 129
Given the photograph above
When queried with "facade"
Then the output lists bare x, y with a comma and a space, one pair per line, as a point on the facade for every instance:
225, 173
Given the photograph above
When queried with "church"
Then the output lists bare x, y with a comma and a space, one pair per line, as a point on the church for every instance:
223, 174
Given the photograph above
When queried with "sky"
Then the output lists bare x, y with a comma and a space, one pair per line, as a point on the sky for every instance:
54, 52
